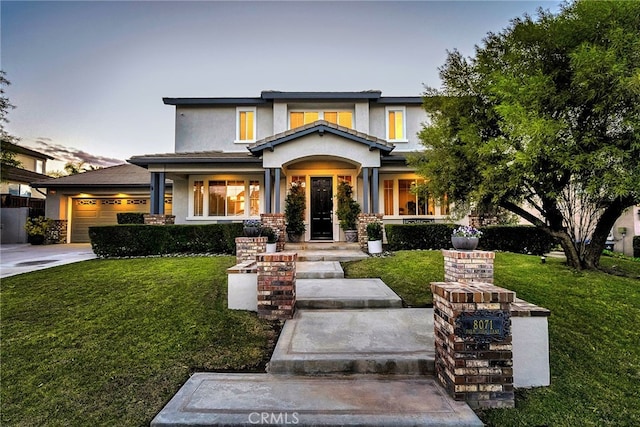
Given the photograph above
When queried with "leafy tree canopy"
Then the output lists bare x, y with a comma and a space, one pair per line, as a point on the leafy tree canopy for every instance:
7, 155
544, 120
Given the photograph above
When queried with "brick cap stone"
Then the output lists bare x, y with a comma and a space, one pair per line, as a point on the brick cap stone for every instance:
454, 253
472, 292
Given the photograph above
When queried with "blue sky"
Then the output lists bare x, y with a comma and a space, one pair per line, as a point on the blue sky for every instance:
88, 77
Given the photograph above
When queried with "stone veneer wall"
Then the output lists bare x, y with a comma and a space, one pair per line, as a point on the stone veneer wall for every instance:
468, 266
276, 222
470, 368
363, 220
276, 285
248, 247
159, 219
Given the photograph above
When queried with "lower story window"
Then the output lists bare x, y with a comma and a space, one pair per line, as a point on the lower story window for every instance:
226, 198
411, 201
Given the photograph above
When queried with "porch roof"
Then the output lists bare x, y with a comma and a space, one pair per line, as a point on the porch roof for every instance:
194, 157
11, 173
320, 127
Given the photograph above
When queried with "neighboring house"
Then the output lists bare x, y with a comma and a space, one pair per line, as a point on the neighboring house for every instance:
18, 198
235, 158
625, 228
96, 197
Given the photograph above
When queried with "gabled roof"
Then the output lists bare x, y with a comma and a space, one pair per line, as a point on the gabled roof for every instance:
194, 157
10, 173
19, 149
320, 127
124, 175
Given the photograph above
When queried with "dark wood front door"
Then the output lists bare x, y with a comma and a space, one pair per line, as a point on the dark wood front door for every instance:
321, 208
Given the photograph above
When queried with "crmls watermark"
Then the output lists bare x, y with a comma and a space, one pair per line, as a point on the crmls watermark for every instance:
281, 418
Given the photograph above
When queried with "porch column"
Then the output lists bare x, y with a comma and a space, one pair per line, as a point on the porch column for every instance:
365, 190
157, 193
267, 190
375, 191
276, 192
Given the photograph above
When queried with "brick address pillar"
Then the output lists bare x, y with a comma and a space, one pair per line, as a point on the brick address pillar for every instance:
276, 285
468, 266
474, 359
248, 247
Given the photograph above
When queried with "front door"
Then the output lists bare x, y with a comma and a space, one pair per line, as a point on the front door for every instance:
321, 208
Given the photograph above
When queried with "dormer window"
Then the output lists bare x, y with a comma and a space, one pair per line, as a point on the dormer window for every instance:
246, 124
301, 118
396, 124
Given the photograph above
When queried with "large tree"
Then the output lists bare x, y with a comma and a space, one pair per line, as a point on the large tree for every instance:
7, 154
544, 121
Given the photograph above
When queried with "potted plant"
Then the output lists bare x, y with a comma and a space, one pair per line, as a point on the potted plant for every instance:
294, 212
348, 210
251, 227
37, 229
465, 238
272, 239
374, 237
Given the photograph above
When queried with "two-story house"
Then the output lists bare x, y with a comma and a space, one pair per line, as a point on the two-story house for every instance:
235, 158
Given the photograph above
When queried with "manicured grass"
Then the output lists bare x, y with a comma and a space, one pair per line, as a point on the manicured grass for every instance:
108, 342
594, 334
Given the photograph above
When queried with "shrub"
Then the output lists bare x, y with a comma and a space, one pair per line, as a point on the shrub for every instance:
519, 239
270, 234
294, 209
348, 209
144, 240
374, 231
636, 246
418, 236
130, 217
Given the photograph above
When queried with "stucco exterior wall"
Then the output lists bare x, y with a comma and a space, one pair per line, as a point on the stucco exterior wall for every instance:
415, 116
181, 200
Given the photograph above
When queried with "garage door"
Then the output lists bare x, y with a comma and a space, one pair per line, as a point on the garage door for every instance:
103, 211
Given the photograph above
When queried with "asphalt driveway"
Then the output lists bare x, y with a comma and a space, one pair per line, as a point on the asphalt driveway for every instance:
23, 258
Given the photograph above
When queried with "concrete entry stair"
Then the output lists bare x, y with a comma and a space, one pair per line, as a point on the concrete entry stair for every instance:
319, 270
345, 293
210, 399
382, 341
326, 251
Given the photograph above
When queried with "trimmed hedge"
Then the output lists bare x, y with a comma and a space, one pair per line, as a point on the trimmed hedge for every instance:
522, 239
145, 240
418, 236
130, 218
636, 246
519, 239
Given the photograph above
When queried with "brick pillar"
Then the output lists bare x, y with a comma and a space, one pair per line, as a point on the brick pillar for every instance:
468, 266
474, 359
159, 219
363, 220
275, 221
276, 285
248, 247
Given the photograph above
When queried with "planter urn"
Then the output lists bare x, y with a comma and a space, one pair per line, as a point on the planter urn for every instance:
375, 246
464, 243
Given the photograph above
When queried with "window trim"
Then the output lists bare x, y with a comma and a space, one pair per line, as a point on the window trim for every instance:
255, 130
437, 215
388, 110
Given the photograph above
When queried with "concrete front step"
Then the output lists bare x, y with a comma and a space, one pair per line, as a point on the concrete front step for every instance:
319, 270
344, 293
211, 399
327, 251
382, 341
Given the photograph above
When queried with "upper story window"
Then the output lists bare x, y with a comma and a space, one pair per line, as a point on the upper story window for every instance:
40, 166
301, 118
396, 124
246, 124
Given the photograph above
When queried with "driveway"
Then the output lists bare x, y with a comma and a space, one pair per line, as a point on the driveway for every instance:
24, 258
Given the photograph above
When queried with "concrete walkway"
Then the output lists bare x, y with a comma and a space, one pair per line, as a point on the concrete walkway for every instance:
364, 362
24, 258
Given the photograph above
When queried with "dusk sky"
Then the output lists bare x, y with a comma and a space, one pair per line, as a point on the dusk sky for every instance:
88, 77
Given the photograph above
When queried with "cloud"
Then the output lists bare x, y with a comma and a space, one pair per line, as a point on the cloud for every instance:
71, 155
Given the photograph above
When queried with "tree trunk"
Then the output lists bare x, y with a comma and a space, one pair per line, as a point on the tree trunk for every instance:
599, 237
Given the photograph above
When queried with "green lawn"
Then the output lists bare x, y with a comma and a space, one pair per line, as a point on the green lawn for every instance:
108, 342
594, 333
